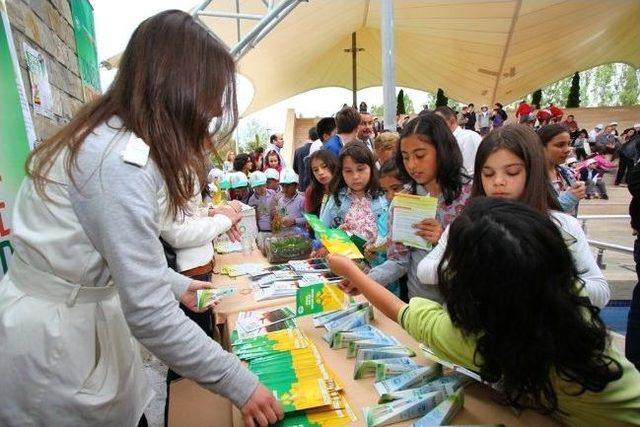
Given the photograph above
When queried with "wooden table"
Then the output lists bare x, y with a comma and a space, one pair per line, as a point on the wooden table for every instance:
479, 404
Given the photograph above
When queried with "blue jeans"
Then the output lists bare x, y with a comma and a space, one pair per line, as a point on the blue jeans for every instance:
632, 347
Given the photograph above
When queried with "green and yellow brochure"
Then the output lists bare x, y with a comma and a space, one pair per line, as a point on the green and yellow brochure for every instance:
335, 240
320, 298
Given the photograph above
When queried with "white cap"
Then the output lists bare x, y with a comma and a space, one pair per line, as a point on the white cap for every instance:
613, 124
238, 180
257, 178
599, 126
571, 160
215, 174
288, 176
636, 126
272, 174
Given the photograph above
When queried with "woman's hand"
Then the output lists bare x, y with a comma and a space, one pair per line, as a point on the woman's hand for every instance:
429, 229
234, 234
189, 299
262, 408
227, 211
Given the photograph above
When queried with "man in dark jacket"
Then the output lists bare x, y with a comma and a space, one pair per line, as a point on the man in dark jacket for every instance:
632, 348
298, 159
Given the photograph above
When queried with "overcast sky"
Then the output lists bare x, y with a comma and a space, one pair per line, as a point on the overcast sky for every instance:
115, 21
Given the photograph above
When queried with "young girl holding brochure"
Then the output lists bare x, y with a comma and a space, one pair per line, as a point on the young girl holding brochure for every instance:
525, 322
510, 163
429, 156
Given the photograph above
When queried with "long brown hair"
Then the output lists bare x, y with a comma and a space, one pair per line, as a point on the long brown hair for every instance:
175, 89
523, 142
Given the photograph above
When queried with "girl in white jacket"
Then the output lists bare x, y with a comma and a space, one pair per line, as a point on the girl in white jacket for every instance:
510, 163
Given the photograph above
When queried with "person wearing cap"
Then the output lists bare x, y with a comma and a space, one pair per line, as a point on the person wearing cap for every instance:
289, 204
530, 120
593, 133
544, 115
523, 111
262, 200
239, 187
556, 113
273, 179
484, 120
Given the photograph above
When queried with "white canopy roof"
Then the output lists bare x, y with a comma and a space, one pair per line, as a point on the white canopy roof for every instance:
476, 51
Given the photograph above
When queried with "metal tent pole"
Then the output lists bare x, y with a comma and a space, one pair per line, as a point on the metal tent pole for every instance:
388, 64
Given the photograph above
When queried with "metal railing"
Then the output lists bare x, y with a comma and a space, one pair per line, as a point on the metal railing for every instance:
602, 246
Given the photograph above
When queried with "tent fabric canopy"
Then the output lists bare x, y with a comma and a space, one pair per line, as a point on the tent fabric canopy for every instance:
475, 50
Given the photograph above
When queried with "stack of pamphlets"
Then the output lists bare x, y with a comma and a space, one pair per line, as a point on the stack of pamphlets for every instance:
313, 265
206, 297
227, 246
277, 289
289, 364
257, 323
408, 210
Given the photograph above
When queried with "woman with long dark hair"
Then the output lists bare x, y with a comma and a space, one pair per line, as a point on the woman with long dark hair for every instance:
89, 279
515, 312
323, 167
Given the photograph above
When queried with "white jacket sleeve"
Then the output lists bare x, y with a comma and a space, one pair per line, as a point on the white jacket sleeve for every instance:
428, 267
194, 231
595, 284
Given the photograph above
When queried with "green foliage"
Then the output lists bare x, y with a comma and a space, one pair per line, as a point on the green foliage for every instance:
408, 104
630, 92
400, 103
253, 134
536, 97
441, 99
557, 92
377, 110
603, 77
573, 101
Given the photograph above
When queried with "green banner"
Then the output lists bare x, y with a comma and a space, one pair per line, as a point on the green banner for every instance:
16, 134
85, 35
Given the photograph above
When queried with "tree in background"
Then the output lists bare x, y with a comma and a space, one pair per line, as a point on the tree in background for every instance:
573, 100
400, 103
253, 134
536, 98
630, 92
377, 110
441, 100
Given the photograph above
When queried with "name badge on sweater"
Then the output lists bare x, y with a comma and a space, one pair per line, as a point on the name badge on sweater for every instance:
136, 152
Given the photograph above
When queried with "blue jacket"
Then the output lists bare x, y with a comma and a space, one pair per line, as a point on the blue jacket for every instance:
334, 144
332, 215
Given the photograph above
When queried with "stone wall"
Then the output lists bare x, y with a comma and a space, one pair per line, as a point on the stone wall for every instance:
46, 25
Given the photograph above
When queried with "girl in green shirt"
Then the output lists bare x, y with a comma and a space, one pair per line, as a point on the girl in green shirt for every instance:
516, 313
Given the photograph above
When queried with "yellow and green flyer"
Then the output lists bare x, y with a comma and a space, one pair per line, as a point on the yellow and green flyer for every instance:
408, 210
336, 241
320, 298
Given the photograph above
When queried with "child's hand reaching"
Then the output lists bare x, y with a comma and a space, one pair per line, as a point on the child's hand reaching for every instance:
429, 229
348, 288
341, 265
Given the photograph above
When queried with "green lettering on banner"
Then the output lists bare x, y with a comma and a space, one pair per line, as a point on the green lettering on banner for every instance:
16, 133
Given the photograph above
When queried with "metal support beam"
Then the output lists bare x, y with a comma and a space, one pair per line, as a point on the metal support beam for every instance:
221, 14
354, 69
200, 6
388, 64
274, 14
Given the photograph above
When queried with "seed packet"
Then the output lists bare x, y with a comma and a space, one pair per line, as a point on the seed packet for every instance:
206, 297
450, 365
319, 298
321, 417
354, 320
320, 319
342, 339
383, 341
443, 413
408, 379
313, 265
388, 370
447, 384
401, 410
367, 368
384, 353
